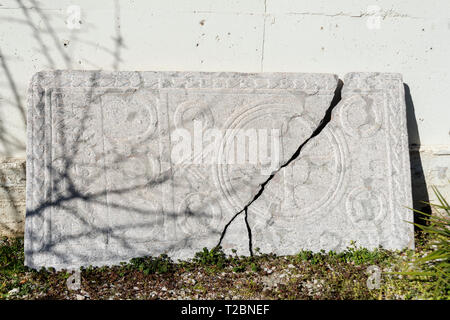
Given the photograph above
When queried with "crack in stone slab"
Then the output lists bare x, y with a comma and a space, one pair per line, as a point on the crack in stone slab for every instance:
325, 120
181, 201
351, 183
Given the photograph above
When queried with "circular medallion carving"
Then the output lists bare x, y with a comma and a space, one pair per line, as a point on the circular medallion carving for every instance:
360, 117
132, 112
365, 207
237, 181
198, 214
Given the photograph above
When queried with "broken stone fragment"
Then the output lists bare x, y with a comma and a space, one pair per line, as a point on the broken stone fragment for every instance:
12, 197
127, 164
351, 182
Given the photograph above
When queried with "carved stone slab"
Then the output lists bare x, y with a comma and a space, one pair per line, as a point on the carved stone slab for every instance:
350, 183
127, 164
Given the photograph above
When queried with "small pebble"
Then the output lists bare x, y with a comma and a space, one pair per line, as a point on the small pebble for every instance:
13, 291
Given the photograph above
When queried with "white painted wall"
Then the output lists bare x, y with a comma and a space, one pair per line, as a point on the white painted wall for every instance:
411, 37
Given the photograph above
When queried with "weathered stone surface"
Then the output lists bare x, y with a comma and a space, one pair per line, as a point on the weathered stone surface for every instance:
12, 196
352, 182
125, 164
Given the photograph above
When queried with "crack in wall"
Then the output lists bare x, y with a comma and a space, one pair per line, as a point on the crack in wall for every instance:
325, 120
263, 35
383, 14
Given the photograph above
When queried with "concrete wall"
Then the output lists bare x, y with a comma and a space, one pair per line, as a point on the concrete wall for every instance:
410, 37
